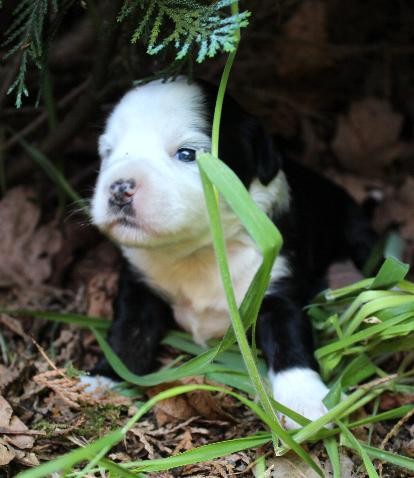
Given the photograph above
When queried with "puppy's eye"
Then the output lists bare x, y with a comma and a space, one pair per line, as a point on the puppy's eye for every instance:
186, 154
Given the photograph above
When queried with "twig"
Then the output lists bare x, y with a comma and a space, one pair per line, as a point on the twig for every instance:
44, 355
392, 433
9, 431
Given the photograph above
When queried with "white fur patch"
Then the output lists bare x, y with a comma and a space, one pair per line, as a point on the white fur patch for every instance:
97, 385
300, 389
192, 284
273, 198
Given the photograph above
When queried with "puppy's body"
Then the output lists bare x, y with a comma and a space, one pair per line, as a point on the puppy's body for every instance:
149, 199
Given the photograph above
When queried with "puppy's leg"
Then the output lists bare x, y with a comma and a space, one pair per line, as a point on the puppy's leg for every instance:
285, 336
141, 319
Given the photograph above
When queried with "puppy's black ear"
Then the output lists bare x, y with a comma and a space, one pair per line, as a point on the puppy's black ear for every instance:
269, 160
244, 144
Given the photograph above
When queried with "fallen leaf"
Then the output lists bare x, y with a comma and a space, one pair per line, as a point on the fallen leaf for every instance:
100, 293
6, 412
408, 448
14, 445
27, 248
290, 466
20, 441
6, 455
7, 375
303, 44
367, 138
182, 407
186, 443
28, 459
394, 400
347, 466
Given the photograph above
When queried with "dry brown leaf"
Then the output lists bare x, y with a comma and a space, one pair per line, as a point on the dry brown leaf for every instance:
7, 376
27, 249
12, 445
290, 466
303, 45
408, 448
6, 412
186, 443
20, 441
182, 407
6, 455
347, 466
367, 138
393, 400
28, 459
100, 293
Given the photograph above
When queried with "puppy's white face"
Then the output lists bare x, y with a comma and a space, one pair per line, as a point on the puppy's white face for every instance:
149, 192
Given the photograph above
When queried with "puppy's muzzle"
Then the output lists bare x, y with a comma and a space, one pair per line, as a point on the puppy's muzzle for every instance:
121, 192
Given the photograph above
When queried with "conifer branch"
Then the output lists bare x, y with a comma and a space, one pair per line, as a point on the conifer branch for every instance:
186, 25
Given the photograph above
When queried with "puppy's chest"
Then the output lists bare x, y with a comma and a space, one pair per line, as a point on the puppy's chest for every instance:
193, 287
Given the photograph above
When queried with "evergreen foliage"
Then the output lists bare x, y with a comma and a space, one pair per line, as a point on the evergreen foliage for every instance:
25, 35
190, 26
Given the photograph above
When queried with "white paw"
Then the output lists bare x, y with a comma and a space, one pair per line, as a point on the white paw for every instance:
300, 389
97, 385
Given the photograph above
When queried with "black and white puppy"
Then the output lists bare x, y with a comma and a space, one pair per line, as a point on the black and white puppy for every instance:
149, 199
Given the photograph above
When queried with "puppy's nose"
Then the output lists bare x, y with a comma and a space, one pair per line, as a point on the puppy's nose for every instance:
122, 190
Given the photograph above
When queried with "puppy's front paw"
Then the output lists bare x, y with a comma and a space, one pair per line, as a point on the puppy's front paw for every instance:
97, 385
300, 389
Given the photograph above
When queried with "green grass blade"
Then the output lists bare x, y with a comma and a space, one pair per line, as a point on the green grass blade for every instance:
231, 188
203, 453
194, 366
390, 273
70, 459
379, 417
54, 174
331, 447
67, 318
389, 457
372, 473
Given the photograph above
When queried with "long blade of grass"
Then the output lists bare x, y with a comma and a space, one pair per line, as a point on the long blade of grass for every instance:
232, 187
54, 174
70, 459
331, 447
203, 453
389, 457
390, 273
372, 473
67, 318
194, 366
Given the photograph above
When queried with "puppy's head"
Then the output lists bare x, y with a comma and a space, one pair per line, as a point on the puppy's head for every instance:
148, 191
